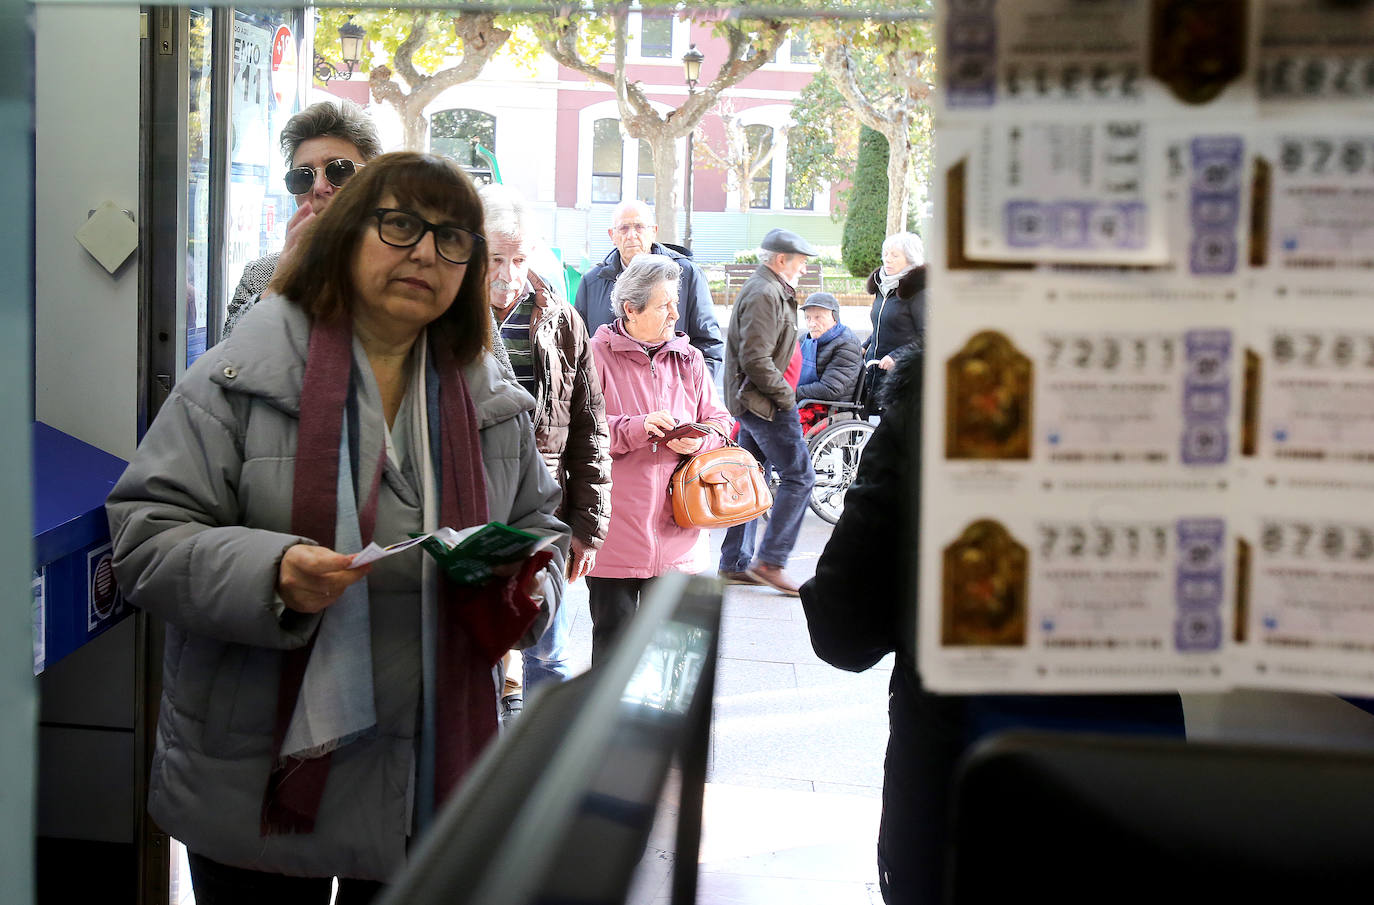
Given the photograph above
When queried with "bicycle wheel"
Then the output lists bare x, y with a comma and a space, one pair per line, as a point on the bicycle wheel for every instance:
835, 454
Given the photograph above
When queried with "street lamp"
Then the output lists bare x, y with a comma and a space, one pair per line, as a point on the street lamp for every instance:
351, 38
691, 70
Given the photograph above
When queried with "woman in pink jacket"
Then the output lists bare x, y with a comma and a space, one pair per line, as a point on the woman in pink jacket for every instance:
653, 379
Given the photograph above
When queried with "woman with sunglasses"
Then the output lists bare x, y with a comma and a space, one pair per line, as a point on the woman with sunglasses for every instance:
325, 145
315, 717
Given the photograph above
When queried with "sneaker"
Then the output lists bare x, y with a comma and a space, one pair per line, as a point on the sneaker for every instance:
739, 578
774, 576
511, 705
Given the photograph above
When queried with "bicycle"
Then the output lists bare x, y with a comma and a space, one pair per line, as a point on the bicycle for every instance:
836, 443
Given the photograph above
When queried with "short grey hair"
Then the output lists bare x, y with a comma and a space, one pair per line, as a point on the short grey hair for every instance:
505, 213
912, 248
344, 120
767, 256
639, 280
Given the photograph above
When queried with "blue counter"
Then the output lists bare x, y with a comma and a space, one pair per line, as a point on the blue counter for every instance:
75, 595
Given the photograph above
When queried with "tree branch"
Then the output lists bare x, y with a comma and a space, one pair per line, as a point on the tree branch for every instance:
564, 50
405, 53
840, 66
481, 41
384, 87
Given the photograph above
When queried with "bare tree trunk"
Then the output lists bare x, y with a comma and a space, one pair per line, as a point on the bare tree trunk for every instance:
664, 148
898, 161
416, 127
481, 40
894, 123
749, 49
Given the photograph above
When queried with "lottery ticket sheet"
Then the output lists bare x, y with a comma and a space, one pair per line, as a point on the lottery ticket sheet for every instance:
1149, 395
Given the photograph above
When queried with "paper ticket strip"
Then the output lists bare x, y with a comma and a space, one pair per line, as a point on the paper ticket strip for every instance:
1148, 454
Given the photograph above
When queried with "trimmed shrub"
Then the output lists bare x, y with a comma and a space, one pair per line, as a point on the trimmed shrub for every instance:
865, 226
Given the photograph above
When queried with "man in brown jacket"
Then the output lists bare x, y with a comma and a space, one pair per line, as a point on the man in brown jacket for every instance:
758, 346
547, 345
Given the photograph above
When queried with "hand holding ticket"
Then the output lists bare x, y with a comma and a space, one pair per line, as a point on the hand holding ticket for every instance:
469, 556
688, 430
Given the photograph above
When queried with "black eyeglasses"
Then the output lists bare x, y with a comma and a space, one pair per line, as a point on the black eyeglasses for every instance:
300, 179
404, 229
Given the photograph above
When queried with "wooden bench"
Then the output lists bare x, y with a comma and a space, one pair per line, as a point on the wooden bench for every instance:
735, 275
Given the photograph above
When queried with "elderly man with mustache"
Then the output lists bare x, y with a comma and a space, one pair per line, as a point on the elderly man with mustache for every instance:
549, 353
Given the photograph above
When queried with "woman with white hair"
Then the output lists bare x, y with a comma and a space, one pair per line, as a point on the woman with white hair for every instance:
899, 301
653, 380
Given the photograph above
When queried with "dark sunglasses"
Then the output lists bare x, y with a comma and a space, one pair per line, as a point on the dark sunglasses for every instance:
300, 179
403, 229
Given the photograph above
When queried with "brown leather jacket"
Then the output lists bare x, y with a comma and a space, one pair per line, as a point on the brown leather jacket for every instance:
570, 415
758, 346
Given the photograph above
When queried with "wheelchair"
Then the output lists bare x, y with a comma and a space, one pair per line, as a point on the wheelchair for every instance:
836, 443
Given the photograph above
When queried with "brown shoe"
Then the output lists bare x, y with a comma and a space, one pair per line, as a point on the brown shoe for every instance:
775, 577
739, 578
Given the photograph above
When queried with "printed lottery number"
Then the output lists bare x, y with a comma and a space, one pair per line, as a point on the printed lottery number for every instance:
1325, 156
1313, 77
1075, 541
1321, 351
248, 70
1072, 82
1304, 540
1111, 353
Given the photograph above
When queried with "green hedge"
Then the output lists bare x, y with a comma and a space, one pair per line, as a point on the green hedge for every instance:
865, 226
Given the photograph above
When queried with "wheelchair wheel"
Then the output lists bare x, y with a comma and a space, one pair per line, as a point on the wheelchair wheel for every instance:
835, 454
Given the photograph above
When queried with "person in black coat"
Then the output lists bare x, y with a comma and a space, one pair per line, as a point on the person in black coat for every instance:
633, 233
899, 302
860, 606
831, 357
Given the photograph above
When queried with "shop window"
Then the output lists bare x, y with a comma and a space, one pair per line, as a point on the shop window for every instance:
795, 197
608, 153
456, 134
645, 190
656, 36
759, 139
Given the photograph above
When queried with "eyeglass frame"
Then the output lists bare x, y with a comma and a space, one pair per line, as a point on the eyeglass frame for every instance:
625, 228
479, 243
315, 171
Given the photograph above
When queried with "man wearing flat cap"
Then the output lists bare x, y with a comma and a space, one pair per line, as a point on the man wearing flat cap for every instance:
832, 358
758, 346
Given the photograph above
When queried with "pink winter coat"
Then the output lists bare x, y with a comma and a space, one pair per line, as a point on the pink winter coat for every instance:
643, 540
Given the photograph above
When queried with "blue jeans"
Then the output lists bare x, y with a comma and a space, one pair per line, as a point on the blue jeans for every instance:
779, 442
546, 659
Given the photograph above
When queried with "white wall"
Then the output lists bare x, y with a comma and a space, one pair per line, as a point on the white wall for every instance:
87, 152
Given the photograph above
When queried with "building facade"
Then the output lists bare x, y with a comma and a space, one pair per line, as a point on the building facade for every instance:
557, 137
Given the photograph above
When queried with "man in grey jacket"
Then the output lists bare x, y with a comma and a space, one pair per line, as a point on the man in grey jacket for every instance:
633, 231
762, 338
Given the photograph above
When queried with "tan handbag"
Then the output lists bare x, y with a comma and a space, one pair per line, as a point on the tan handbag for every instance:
719, 488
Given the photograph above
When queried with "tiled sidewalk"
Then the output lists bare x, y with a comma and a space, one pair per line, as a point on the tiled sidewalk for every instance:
792, 797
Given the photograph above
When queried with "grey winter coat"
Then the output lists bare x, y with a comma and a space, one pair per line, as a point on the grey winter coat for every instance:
762, 338
696, 316
200, 521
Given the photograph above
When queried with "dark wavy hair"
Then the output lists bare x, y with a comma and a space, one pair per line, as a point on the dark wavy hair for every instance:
319, 277
344, 120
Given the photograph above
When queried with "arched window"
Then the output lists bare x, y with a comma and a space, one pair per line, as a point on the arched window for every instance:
759, 139
645, 187
608, 159
456, 134
795, 197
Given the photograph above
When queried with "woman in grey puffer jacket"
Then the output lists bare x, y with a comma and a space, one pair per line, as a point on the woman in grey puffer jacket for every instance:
311, 722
